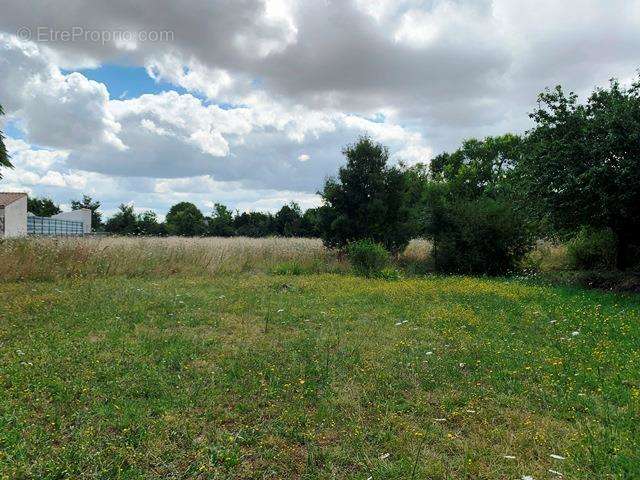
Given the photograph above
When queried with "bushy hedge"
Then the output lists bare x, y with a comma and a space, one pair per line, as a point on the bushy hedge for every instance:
482, 236
593, 249
367, 257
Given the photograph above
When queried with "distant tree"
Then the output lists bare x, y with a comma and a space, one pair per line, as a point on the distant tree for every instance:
88, 202
42, 207
420, 193
581, 166
254, 224
147, 224
310, 223
288, 219
368, 200
220, 224
185, 219
4, 155
124, 222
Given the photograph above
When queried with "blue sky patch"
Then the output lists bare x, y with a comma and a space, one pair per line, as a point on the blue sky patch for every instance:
12, 129
127, 82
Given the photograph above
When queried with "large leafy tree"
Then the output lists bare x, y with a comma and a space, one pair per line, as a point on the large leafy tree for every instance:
93, 205
368, 200
42, 207
185, 219
4, 156
581, 165
466, 200
479, 167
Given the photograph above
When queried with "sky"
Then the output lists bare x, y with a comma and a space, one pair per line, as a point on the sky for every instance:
250, 102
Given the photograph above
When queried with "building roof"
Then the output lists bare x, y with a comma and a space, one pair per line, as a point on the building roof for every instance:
7, 198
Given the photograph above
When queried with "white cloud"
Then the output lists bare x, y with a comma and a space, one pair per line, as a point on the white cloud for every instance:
309, 77
189, 74
61, 111
35, 160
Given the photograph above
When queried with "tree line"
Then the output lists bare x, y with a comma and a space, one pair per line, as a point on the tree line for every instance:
574, 175
186, 219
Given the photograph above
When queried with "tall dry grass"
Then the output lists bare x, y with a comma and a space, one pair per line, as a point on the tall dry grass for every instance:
418, 250
55, 258
547, 256
47, 258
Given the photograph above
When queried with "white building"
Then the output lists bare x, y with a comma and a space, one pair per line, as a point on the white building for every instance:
13, 214
15, 221
83, 215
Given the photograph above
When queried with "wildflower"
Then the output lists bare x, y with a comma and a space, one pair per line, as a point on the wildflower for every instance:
574, 334
429, 353
384, 456
440, 419
527, 477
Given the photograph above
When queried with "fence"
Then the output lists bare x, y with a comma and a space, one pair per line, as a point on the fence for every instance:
1, 224
53, 226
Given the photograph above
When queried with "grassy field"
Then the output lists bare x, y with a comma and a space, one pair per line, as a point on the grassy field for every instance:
103, 257
182, 371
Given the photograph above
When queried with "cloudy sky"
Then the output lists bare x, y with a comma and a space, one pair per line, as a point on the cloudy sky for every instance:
249, 102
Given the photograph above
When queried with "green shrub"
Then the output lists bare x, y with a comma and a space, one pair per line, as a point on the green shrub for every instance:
367, 257
483, 236
593, 249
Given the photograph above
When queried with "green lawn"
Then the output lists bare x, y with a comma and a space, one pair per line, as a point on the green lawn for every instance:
318, 376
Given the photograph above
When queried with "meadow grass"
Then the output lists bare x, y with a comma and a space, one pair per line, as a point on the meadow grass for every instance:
49, 258
316, 376
268, 370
